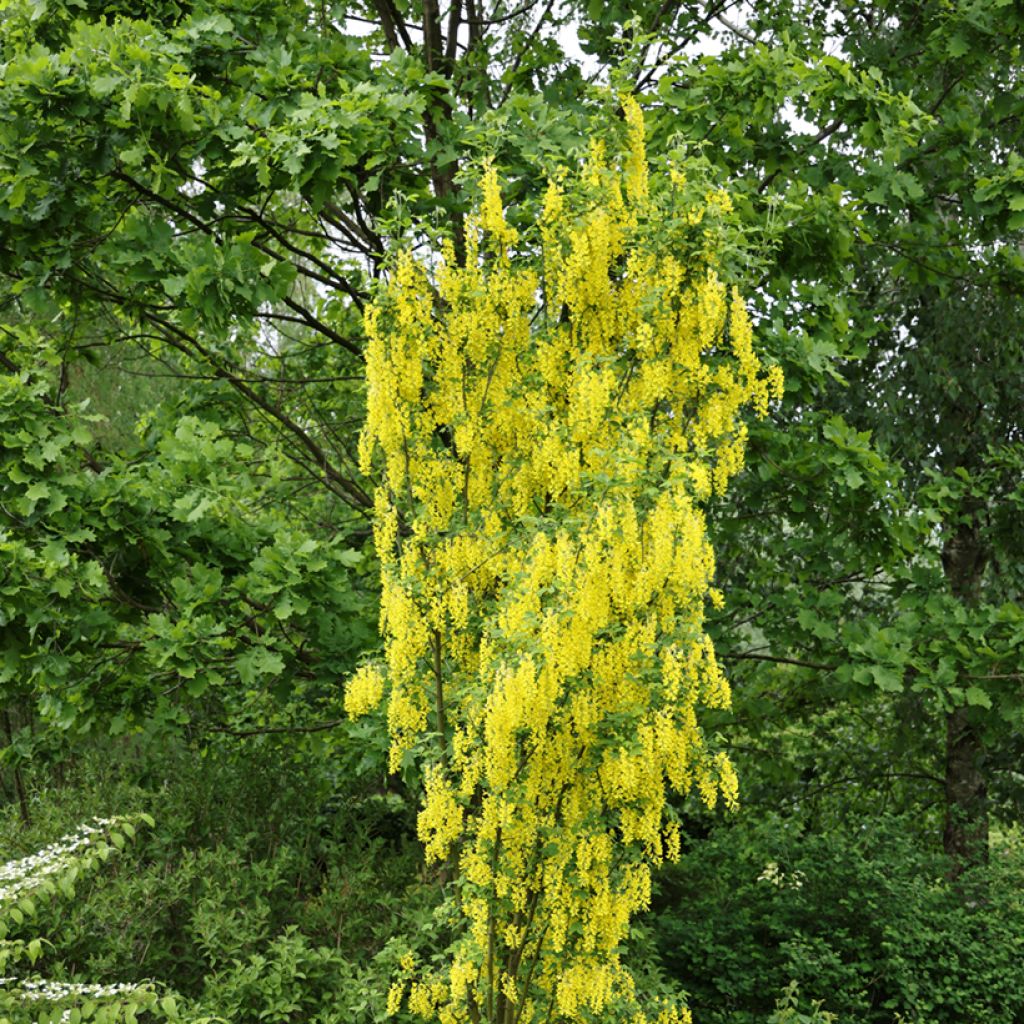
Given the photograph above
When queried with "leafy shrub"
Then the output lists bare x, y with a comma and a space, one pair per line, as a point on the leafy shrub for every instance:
292, 981
863, 920
46, 874
246, 898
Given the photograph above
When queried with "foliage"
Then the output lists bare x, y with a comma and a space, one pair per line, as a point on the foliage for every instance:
242, 905
181, 571
788, 1009
871, 142
196, 201
861, 917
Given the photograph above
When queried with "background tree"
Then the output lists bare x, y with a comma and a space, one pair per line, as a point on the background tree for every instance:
878, 136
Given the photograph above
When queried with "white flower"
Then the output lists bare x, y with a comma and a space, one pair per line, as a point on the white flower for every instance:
19, 879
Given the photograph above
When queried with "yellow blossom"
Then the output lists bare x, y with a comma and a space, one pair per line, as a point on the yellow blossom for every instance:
547, 425
364, 690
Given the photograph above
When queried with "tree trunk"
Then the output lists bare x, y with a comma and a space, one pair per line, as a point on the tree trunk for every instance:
965, 837
19, 782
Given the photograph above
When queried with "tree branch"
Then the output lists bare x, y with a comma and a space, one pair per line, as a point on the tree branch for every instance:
189, 345
277, 729
747, 656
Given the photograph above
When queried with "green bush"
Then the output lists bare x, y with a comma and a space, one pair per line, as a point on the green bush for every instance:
266, 879
291, 980
863, 920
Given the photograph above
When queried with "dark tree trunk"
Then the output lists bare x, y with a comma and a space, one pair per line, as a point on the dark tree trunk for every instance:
965, 837
19, 782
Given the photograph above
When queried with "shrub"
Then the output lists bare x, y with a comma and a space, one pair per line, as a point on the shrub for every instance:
863, 920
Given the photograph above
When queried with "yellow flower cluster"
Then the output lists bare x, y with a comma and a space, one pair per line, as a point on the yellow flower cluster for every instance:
547, 425
364, 690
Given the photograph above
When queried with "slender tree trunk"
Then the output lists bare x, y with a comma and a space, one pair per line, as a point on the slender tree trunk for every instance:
441, 59
19, 782
965, 837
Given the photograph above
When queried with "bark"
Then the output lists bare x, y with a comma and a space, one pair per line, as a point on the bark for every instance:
19, 782
965, 836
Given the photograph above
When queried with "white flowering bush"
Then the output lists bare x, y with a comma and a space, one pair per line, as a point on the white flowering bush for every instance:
52, 871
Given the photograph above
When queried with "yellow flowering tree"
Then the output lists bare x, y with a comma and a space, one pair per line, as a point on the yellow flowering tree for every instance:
547, 417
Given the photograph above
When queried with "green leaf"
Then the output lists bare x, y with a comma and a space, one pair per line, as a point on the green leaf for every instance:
350, 557
16, 196
887, 679
104, 85
258, 662
977, 697
196, 686
957, 46
174, 286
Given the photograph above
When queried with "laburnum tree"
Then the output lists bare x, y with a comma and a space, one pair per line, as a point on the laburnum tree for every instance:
548, 411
